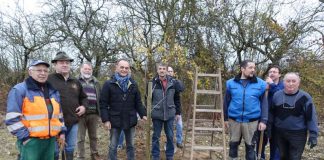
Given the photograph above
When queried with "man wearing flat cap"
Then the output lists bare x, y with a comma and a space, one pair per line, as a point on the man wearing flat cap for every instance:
73, 100
34, 114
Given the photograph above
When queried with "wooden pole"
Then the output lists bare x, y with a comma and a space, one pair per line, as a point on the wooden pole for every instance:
148, 124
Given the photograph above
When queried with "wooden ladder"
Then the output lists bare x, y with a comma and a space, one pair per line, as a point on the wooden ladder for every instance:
214, 110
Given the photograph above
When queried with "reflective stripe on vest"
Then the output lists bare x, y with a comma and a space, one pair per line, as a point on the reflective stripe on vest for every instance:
36, 117
15, 126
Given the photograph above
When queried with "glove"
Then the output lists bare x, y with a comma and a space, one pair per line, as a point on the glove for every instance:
312, 142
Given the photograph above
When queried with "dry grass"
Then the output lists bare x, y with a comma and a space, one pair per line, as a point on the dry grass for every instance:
9, 152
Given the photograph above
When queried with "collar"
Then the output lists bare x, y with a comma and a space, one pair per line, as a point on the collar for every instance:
237, 78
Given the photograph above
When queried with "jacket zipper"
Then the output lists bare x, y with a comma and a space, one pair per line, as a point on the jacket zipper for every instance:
243, 102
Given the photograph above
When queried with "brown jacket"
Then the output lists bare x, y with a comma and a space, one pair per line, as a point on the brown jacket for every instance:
71, 94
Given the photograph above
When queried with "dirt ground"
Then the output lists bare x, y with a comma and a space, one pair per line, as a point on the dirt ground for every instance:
9, 152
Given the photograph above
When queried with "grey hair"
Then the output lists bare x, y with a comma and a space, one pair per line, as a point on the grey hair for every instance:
87, 63
292, 73
162, 64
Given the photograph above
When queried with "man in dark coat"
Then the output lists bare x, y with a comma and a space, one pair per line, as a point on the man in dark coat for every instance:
120, 101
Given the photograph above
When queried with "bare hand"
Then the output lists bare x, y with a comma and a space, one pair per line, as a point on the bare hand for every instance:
177, 118
262, 126
226, 126
107, 125
269, 80
80, 110
144, 118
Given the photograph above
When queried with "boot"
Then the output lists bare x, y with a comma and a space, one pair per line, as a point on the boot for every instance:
67, 155
249, 152
233, 151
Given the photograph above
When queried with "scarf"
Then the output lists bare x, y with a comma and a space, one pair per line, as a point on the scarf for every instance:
122, 81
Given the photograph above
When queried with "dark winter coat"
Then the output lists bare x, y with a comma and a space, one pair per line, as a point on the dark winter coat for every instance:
118, 107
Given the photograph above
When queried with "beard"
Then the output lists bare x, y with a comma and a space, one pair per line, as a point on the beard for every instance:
86, 76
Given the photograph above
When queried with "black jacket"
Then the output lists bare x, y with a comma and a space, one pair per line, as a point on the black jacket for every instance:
118, 107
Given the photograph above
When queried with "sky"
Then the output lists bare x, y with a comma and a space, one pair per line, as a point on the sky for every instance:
28, 5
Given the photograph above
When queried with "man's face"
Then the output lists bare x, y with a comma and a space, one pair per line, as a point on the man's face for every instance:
291, 83
249, 70
39, 73
122, 68
170, 71
62, 66
162, 71
86, 70
274, 74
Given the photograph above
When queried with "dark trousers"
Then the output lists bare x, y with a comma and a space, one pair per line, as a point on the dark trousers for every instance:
291, 143
274, 151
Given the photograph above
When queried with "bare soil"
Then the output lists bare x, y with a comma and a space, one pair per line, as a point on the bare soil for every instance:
9, 151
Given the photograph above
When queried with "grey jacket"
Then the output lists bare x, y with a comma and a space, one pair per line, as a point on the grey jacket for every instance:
165, 103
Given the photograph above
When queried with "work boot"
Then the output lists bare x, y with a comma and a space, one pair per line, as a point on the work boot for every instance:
179, 145
249, 152
233, 151
96, 156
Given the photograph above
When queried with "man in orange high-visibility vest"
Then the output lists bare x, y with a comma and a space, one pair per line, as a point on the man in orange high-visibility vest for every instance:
34, 114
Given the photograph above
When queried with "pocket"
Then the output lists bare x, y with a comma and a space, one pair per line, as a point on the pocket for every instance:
26, 142
172, 110
156, 107
132, 118
114, 118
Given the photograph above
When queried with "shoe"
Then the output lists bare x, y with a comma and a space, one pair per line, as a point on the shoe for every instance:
119, 147
179, 145
96, 156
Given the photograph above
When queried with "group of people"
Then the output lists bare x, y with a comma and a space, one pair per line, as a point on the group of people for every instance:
50, 113
55, 110
287, 113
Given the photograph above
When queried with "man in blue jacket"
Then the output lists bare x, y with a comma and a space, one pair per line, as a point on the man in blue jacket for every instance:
34, 114
275, 84
245, 109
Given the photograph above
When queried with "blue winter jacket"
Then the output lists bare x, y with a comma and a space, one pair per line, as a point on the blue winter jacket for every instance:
246, 104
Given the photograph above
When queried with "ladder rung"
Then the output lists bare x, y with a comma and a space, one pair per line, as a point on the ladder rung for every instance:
201, 120
209, 110
208, 129
211, 148
199, 91
204, 105
203, 133
208, 75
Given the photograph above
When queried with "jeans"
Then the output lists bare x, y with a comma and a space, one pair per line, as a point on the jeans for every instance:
179, 130
114, 137
121, 138
70, 140
88, 122
168, 129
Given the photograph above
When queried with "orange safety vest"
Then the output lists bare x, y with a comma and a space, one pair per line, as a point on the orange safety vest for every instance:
35, 117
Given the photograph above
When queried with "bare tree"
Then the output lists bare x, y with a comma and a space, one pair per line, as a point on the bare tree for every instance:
87, 25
